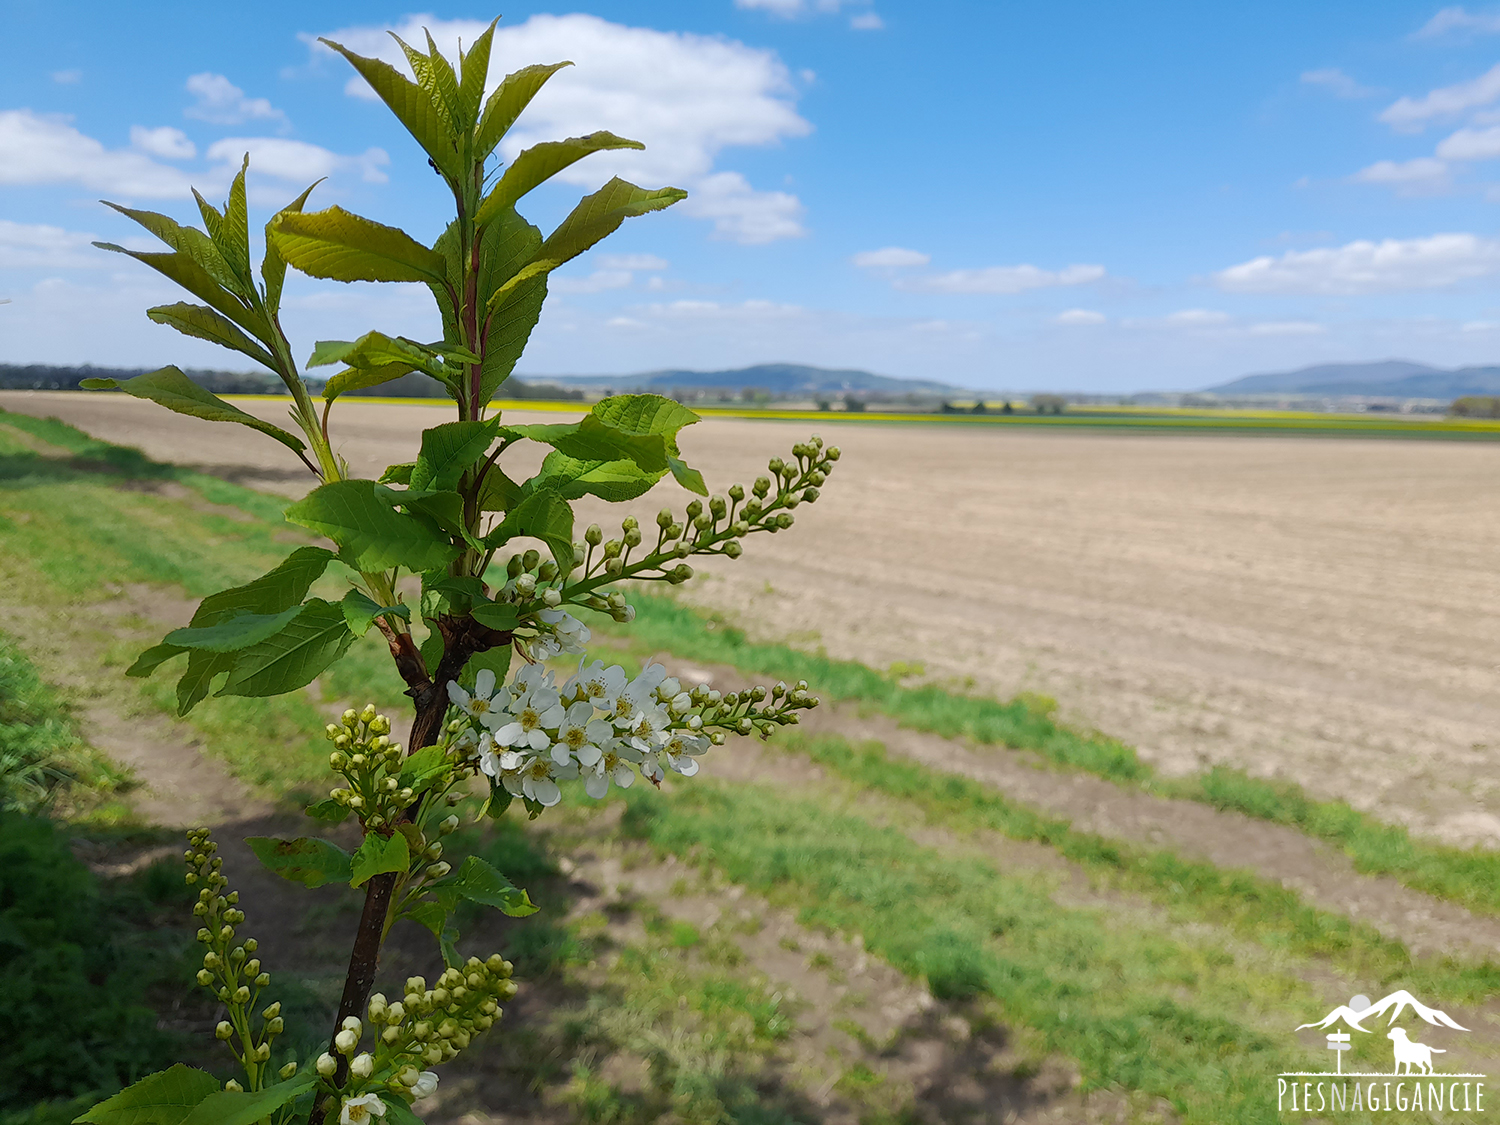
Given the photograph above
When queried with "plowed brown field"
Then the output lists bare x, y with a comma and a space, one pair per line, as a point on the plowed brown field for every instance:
1326, 610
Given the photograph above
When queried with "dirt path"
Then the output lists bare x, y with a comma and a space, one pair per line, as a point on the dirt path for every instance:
1327, 610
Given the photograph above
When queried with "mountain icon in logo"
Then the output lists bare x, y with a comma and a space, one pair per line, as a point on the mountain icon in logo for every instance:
1396, 1003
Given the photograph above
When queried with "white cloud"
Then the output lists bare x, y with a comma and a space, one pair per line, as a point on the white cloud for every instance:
1409, 177
1195, 318
37, 149
297, 162
1390, 266
27, 245
631, 262
1336, 82
1480, 326
753, 310
687, 97
866, 21
1471, 144
1458, 19
596, 282
1287, 328
742, 214
67, 77
791, 9
165, 141
1001, 279
1079, 317
221, 102
890, 257
1412, 114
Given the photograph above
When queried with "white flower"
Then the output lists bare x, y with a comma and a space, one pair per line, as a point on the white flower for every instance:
535, 708
536, 781
572, 634
601, 686
679, 749
611, 766
478, 705
425, 1085
638, 695
579, 736
358, 1111
489, 761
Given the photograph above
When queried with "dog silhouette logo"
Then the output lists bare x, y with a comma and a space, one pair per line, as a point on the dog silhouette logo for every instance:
1409, 1054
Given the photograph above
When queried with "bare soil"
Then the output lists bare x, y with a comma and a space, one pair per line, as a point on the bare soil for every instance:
1325, 610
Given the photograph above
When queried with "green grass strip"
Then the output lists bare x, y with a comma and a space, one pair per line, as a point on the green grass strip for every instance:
1468, 876
1114, 998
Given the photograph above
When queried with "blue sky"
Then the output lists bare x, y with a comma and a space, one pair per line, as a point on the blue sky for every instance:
1085, 196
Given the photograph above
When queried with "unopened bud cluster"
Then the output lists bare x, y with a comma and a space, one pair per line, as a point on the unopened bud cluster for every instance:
714, 528
535, 585
231, 971
427, 1026
371, 763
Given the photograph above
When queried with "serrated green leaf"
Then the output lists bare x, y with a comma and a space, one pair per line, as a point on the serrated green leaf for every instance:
229, 1107
421, 769
307, 860
203, 323
273, 265
295, 656
233, 236
474, 73
377, 856
429, 914
163, 1098
169, 387
412, 105
328, 810
645, 414
441, 81
360, 378
497, 660
361, 610
203, 669
398, 474
361, 517
397, 1112
233, 633
596, 216
498, 493
190, 242
153, 658
496, 615
449, 450
432, 652
593, 439
539, 163
614, 481
508, 327
505, 105
543, 515
341, 246
376, 349
498, 801
690, 478
280, 588
196, 280
479, 882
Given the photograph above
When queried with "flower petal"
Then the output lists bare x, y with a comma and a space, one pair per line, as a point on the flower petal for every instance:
484, 683
544, 791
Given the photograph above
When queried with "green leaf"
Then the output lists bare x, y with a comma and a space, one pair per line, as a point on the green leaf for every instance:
539, 163
449, 450
397, 1112
595, 217
398, 474
690, 479
475, 72
328, 810
505, 105
169, 387
233, 633
229, 1107
645, 414
361, 610
413, 107
429, 914
542, 515
498, 801
233, 237
278, 589
508, 327
198, 281
202, 670
307, 860
593, 439
496, 615
190, 242
273, 265
445, 508
497, 660
153, 658
421, 769
359, 378
360, 516
498, 493
376, 349
203, 323
292, 658
379, 855
478, 882
432, 651
614, 481
163, 1098
340, 246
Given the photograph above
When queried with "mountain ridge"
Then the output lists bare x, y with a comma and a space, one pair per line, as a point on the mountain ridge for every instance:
775, 378
1390, 378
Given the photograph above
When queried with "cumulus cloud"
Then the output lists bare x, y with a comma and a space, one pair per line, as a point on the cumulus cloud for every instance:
1413, 114
1336, 82
37, 149
890, 257
67, 77
1390, 266
28, 245
791, 9
687, 97
866, 21
1287, 328
631, 262
220, 102
173, 144
596, 282
1001, 279
1195, 318
1459, 19
1409, 177
1074, 317
1471, 144
296, 162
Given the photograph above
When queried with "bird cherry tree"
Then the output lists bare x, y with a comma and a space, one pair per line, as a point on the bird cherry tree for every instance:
501, 568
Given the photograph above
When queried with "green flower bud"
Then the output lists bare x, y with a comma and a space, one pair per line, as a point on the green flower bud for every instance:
594, 535
273, 1011
391, 1035
833, 453
251, 945
629, 523
633, 537
613, 567
548, 571
234, 1087
674, 532
695, 509
346, 1041
276, 1026
448, 824
205, 978
530, 559
784, 520
288, 1071
664, 518
703, 522
811, 495
718, 506
775, 464
190, 878
613, 548
507, 990
242, 995
327, 1065
332, 731
736, 492
368, 714
733, 549
224, 1030
262, 980
337, 760
350, 717
513, 566
263, 1053
552, 598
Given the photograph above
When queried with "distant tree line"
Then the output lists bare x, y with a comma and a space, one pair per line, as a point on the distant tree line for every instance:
1476, 406
42, 377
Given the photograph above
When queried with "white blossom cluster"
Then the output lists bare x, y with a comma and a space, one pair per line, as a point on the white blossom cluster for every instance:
603, 727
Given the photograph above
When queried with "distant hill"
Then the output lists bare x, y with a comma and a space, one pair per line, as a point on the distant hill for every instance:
775, 378
1392, 378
